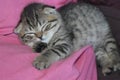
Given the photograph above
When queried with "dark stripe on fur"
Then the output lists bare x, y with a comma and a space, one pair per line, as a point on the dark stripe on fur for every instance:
53, 26
56, 52
62, 49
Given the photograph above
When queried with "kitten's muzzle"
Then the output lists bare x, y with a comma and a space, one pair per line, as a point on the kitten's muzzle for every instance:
39, 47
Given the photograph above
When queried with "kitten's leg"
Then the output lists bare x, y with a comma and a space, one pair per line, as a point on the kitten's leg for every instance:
113, 53
108, 56
104, 60
51, 55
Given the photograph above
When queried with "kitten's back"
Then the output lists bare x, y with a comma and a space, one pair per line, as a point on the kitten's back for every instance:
86, 22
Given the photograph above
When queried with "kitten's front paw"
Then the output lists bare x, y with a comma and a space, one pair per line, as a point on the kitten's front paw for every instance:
41, 62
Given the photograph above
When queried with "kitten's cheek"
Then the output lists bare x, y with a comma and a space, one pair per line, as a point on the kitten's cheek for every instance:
32, 42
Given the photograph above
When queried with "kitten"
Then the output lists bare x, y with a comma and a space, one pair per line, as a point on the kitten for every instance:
57, 34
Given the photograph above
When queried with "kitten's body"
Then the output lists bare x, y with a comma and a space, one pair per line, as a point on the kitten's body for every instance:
86, 23
66, 30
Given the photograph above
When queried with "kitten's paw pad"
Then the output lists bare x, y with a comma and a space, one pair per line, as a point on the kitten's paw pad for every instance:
41, 63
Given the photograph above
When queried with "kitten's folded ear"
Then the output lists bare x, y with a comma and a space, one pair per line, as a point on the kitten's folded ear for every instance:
50, 12
47, 9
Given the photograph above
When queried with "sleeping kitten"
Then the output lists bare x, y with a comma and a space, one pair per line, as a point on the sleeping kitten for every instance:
57, 34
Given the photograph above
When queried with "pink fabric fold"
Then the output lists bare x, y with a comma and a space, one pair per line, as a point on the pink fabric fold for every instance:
16, 63
16, 59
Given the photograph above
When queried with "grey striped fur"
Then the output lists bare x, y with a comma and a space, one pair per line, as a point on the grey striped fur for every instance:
57, 34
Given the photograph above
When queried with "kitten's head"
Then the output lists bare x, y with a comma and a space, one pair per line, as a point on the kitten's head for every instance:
38, 24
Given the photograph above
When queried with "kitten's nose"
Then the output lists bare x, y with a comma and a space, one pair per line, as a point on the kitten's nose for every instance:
40, 47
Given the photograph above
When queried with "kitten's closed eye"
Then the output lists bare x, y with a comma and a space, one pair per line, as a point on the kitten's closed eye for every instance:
29, 37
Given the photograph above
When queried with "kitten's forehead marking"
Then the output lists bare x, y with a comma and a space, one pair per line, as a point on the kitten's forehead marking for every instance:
42, 27
38, 34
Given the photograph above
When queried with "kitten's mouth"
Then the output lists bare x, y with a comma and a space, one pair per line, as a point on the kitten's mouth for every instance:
39, 47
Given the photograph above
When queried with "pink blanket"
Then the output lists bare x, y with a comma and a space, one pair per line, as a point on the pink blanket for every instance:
16, 59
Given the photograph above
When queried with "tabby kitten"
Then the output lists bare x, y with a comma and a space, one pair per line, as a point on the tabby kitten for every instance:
57, 34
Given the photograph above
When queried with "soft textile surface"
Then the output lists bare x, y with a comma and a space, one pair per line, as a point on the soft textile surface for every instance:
110, 3
16, 64
10, 11
16, 58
